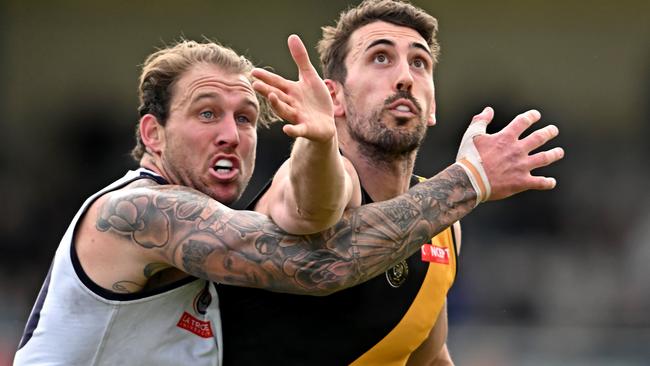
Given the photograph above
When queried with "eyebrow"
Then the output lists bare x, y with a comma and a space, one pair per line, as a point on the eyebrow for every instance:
384, 41
380, 41
423, 48
204, 96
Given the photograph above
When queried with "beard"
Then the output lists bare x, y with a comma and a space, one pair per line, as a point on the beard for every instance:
183, 171
379, 142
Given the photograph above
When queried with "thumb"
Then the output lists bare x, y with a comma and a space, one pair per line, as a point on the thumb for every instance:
470, 158
478, 125
294, 131
483, 118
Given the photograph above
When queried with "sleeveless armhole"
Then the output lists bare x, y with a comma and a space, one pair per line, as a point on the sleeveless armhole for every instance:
105, 293
454, 242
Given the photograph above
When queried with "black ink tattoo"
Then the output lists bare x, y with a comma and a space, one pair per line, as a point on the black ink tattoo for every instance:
206, 239
195, 253
153, 268
126, 287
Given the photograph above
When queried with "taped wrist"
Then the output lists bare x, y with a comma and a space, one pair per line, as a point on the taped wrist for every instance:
470, 160
478, 179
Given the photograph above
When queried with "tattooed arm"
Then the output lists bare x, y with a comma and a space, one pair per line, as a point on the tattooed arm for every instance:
182, 228
190, 231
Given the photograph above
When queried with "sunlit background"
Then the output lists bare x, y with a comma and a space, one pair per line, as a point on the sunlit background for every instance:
545, 278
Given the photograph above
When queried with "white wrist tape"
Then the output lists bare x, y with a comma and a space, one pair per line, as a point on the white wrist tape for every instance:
469, 158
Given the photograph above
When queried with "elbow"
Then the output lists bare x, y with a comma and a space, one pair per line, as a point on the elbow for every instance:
322, 292
307, 223
319, 290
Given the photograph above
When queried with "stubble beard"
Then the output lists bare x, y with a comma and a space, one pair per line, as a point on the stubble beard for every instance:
192, 179
378, 142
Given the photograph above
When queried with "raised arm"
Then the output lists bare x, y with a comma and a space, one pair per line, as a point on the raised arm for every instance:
183, 228
311, 189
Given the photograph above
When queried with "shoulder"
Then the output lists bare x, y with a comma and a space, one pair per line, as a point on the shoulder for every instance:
129, 234
355, 200
144, 202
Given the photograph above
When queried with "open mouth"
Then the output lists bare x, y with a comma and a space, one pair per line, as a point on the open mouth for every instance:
223, 166
403, 108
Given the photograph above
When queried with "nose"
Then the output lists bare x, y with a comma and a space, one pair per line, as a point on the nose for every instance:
227, 133
404, 80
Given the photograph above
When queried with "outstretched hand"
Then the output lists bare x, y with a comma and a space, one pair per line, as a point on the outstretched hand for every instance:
306, 104
500, 164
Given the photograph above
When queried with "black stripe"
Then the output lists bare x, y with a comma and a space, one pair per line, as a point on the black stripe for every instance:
250, 205
455, 245
110, 295
160, 180
35, 315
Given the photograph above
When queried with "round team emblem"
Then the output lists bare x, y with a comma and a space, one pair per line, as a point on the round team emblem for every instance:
396, 276
202, 301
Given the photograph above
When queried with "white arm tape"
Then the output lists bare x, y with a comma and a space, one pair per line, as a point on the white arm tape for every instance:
469, 158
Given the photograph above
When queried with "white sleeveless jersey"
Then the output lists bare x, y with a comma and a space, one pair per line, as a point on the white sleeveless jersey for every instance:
76, 322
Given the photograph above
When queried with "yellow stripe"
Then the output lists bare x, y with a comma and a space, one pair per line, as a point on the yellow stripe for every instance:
396, 347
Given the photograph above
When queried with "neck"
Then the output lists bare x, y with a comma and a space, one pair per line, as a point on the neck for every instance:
149, 162
383, 179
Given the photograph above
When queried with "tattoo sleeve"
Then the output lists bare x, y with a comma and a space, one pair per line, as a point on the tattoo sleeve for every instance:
206, 239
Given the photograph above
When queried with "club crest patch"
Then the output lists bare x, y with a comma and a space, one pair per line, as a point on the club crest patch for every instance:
396, 275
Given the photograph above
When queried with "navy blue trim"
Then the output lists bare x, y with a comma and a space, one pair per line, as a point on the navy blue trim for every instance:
160, 180
35, 315
110, 295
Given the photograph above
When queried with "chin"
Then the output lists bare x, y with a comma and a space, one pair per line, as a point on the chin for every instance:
226, 196
225, 199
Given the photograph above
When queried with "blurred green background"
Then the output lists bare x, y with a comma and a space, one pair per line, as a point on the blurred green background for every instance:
545, 278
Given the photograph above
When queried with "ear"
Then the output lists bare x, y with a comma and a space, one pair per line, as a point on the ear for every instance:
431, 120
336, 93
152, 134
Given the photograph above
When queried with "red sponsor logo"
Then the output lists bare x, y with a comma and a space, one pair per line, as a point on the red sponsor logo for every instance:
435, 254
199, 327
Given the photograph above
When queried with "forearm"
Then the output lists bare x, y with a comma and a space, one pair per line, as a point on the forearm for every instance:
398, 227
319, 187
367, 241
